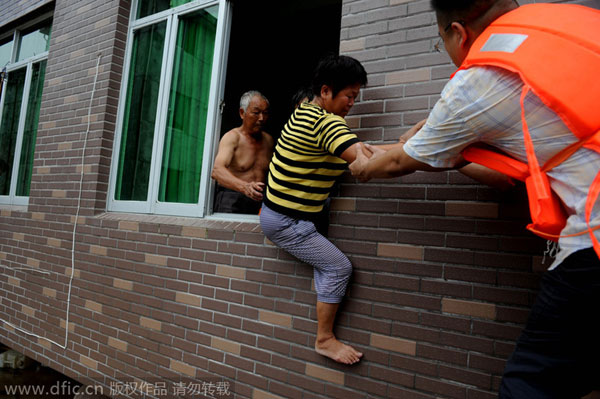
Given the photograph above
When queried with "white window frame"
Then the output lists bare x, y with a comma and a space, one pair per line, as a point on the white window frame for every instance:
217, 86
12, 198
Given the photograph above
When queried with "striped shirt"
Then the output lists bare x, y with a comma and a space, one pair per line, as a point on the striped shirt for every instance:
306, 162
482, 104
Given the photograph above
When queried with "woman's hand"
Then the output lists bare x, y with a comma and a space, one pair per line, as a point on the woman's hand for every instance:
358, 167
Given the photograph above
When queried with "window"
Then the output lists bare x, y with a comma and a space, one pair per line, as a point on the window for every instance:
23, 55
272, 49
168, 107
175, 104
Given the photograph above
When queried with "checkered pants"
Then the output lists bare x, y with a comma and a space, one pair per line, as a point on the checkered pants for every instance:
332, 269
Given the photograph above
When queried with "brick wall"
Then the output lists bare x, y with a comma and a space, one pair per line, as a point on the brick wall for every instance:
85, 34
444, 271
11, 11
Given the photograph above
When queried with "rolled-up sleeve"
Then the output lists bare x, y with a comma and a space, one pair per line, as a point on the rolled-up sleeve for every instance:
476, 103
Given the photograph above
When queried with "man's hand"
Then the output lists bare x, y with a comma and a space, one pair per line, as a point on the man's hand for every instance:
254, 190
358, 167
372, 151
411, 132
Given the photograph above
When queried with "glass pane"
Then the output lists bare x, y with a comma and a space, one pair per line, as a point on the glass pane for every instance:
135, 157
149, 7
188, 108
31, 125
10, 125
34, 42
5, 53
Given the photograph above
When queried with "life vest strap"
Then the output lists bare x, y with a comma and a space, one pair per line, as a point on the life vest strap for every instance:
496, 161
534, 166
564, 154
589, 205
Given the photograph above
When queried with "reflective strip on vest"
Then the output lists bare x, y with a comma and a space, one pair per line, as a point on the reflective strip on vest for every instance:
504, 42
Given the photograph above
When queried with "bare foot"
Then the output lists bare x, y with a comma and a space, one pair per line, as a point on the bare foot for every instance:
334, 349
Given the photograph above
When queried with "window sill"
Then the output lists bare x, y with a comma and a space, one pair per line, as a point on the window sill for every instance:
219, 221
13, 208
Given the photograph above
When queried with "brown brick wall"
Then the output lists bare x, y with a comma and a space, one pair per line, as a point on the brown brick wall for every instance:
11, 11
444, 270
83, 33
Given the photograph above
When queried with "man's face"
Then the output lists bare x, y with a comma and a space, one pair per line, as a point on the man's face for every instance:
343, 101
256, 115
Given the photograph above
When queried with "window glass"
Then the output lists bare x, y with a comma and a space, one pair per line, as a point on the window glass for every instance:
5, 53
188, 107
139, 120
30, 130
34, 42
10, 125
149, 7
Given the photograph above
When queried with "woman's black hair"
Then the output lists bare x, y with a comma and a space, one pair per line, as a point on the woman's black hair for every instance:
338, 72
300, 95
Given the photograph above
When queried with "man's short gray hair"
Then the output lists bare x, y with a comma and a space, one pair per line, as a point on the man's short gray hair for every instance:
248, 96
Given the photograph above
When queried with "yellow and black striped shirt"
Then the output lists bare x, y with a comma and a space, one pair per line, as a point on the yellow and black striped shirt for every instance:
306, 162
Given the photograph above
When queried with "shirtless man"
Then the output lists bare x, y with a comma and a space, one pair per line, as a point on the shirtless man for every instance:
243, 158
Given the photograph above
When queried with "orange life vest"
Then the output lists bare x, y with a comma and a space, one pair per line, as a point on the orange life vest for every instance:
555, 48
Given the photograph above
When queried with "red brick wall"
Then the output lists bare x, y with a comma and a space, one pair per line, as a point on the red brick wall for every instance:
444, 270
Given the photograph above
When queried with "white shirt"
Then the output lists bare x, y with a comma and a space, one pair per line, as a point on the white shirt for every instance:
482, 104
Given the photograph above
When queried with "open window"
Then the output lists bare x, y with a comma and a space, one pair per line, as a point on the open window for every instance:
274, 48
187, 64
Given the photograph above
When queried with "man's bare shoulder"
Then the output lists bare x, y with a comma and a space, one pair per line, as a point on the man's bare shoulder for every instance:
233, 134
231, 138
